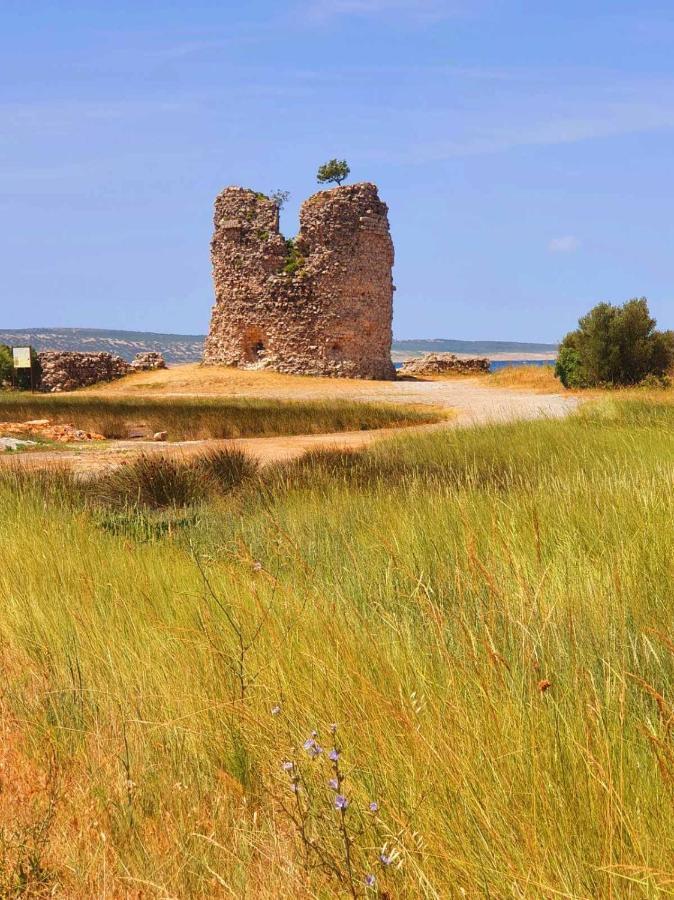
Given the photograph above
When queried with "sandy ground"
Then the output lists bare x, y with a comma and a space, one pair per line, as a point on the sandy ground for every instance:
466, 401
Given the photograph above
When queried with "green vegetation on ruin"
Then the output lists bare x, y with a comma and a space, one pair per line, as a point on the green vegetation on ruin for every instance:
294, 259
486, 614
187, 418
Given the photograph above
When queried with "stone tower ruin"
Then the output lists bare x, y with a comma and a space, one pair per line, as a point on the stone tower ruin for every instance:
319, 305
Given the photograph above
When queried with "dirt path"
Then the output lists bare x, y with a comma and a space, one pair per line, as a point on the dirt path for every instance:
468, 400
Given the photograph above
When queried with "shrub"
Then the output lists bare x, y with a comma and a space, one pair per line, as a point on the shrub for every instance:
294, 259
615, 345
227, 468
6, 367
156, 482
656, 382
568, 368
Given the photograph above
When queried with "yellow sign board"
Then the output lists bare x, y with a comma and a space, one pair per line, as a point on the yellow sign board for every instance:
21, 357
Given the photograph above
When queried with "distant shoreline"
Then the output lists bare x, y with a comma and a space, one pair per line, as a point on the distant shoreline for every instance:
398, 356
188, 348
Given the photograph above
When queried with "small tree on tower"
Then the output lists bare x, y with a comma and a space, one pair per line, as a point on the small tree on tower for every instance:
336, 170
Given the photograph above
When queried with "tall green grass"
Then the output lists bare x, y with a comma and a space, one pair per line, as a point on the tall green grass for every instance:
485, 614
197, 418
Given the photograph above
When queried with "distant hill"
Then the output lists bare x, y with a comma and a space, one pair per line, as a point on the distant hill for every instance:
185, 348
176, 348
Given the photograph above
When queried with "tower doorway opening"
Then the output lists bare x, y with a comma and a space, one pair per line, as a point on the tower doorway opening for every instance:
254, 345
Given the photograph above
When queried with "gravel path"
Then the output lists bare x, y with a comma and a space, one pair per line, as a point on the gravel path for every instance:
467, 401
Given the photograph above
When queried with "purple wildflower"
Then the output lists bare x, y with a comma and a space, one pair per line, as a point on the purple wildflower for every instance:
374, 807
334, 784
311, 745
384, 859
341, 803
288, 766
370, 880
334, 754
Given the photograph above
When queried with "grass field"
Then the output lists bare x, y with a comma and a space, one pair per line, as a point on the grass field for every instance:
485, 615
186, 418
540, 378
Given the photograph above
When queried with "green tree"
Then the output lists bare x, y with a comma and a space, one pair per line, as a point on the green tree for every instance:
569, 369
615, 345
336, 170
6, 365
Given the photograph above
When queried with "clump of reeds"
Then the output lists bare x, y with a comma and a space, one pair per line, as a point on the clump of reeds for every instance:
226, 468
158, 481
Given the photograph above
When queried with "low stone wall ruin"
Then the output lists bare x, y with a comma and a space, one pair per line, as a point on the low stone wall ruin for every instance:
445, 364
67, 370
148, 361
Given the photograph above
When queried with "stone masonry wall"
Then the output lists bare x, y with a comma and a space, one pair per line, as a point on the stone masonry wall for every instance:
445, 364
65, 370
322, 306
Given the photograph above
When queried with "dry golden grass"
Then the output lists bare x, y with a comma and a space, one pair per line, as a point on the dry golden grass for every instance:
200, 418
487, 615
193, 378
68, 828
532, 378
541, 379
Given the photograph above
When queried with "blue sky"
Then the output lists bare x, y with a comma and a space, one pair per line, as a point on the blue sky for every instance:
525, 150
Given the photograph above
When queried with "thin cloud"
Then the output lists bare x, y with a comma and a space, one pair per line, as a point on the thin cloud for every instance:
323, 10
553, 118
566, 244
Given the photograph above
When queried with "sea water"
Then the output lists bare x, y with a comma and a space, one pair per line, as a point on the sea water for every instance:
495, 365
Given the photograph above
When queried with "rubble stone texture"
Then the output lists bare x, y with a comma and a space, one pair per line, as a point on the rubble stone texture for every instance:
67, 370
444, 364
63, 434
148, 361
320, 305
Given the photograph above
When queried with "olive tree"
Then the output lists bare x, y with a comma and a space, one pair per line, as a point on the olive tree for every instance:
615, 345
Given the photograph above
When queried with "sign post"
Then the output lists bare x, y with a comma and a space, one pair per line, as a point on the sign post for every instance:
23, 359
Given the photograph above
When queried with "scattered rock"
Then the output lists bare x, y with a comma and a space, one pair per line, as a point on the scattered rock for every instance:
66, 370
444, 364
160, 436
63, 434
9, 443
138, 432
148, 361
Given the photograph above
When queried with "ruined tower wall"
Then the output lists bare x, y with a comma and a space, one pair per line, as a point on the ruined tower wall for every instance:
324, 308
